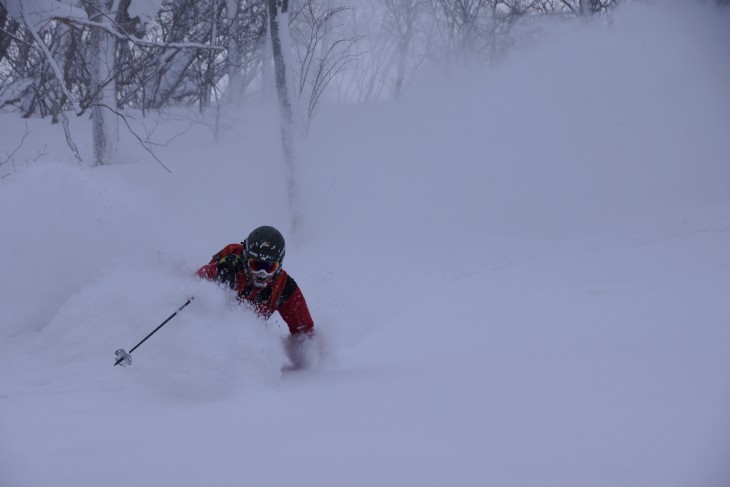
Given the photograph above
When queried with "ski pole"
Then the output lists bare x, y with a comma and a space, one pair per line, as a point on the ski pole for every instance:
125, 358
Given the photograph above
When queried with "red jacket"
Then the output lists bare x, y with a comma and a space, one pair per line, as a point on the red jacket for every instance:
282, 294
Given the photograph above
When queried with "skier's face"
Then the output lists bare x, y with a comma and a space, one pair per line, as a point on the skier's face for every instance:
262, 273
261, 279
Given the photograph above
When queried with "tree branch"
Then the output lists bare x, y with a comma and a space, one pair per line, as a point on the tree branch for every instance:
141, 141
16, 38
22, 140
134, 40
572, 9
52, 62
69, 140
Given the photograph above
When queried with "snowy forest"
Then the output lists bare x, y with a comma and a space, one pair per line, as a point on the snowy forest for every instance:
105, 57
510, 220
152, 54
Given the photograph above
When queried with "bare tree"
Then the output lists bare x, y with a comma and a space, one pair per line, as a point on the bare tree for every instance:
401, 22
321, 54
368, 78
394, 38
102, 62
281, 48
93, 59
584, 8
244, 34
461, 26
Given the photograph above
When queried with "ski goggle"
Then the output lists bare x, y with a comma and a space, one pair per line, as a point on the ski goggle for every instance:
263, 266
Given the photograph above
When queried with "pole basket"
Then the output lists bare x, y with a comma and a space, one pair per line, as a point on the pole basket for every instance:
123, 358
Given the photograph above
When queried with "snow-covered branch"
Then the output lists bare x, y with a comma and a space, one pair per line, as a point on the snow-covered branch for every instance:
12, 36
125, 36
51, 62
39, 12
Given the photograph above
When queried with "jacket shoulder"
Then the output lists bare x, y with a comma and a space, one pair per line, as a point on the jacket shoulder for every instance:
234, 248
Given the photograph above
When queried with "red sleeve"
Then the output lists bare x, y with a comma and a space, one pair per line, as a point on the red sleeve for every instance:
208, 271
295, 313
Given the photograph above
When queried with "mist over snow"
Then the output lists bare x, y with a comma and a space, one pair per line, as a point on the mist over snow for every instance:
519, 277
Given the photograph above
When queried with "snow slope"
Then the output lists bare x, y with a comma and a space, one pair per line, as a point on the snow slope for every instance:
519, 278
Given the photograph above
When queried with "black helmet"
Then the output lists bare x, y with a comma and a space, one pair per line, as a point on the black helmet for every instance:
265, 244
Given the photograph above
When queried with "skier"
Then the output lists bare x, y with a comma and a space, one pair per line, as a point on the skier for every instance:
253, 270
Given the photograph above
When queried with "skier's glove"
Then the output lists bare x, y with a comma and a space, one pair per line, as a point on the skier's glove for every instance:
228, 267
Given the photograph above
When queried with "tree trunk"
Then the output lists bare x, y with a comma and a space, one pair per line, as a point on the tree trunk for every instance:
103, 58
235, 79
279, 30
267, 77
28, 98
5, 39
587, 7
493, 38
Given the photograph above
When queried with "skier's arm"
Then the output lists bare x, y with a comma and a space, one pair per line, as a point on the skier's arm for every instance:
293, 309
208, 271
223, 266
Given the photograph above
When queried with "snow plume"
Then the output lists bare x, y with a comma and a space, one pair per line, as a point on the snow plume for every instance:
70, 226
600, 127
208, 351
88, 265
